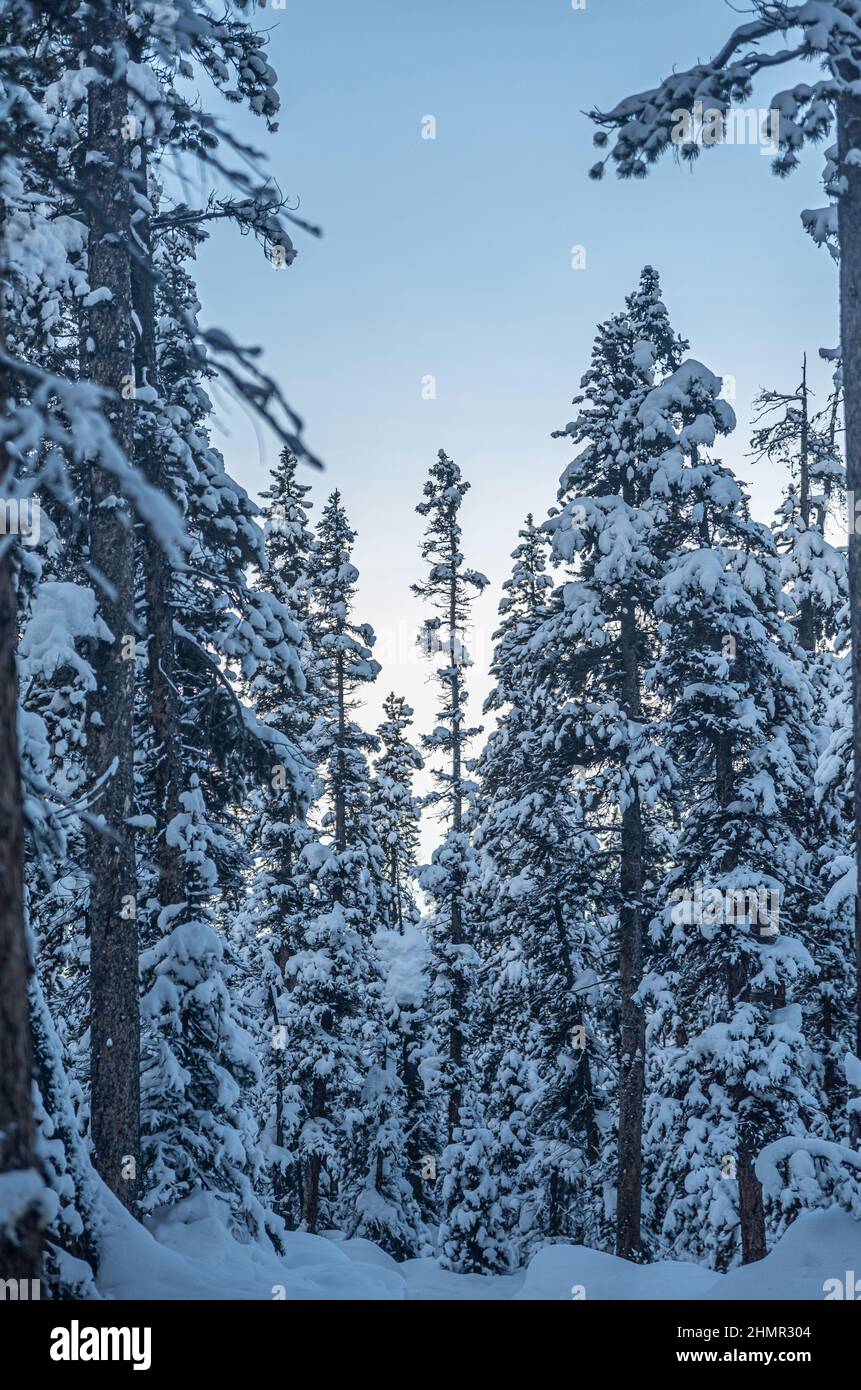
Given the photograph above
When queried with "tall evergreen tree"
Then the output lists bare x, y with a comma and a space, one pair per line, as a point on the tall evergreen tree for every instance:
333, 999
537, 1058
396, 810
199, 1134
279, 828
449, 588
789, 432
651, 123
734, 1066
469, 1236
600, 640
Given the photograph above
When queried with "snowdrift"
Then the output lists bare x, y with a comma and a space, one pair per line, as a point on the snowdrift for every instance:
189, 1254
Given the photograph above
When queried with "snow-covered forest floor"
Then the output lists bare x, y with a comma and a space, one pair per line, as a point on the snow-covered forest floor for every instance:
192, 1255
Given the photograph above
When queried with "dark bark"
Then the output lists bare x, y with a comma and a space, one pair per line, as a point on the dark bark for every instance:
21, 1249
395, 881
585, 1097
632, 1021
115, 1042
413, 1090
750, 1201
314, 1166
340, 761
807, 613
280, 1186
849, 214
751, 1210
456, 1039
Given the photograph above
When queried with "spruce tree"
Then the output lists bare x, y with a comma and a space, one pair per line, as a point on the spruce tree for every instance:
449, 589
198, 1128
601, 638
396, 810
332, 1003
790, 433
659, 119
536, 1055
468, 1236
278, 826
731, 1065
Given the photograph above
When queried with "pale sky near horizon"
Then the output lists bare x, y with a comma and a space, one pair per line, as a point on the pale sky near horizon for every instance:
452, 258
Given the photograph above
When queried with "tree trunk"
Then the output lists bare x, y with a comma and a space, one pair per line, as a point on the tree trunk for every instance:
339, 789
458, 1001
849, 215
395, 880
20, 1248
114, 1028
751, 1210
633, 1028
583, 1075
314, 1166
807, 615
750, 1203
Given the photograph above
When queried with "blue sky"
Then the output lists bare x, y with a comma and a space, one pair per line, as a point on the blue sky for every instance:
451, 258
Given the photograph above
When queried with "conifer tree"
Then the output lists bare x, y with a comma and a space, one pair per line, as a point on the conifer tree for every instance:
198, 1129
468, 1238
225, 634
659, 119
395, 808
332, 1003
449, 588
734, 1065
815, 577
279, 829
538, 940
790, 434
601, 638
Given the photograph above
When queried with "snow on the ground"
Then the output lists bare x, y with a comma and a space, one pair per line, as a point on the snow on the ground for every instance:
573, 1271
188, 1254
818, 1246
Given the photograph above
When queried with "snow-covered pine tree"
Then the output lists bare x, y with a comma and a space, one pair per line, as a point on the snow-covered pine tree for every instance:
449, 588
108, 361
834, 912
399, 1113
225, 634
54, 431
21, 1188
731, 1067
657, 120
469, 1235
395, 808
279, 830
406, 1002
199, 1133
61, 100
537, 941
599, 640
790, 433
332, 1004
